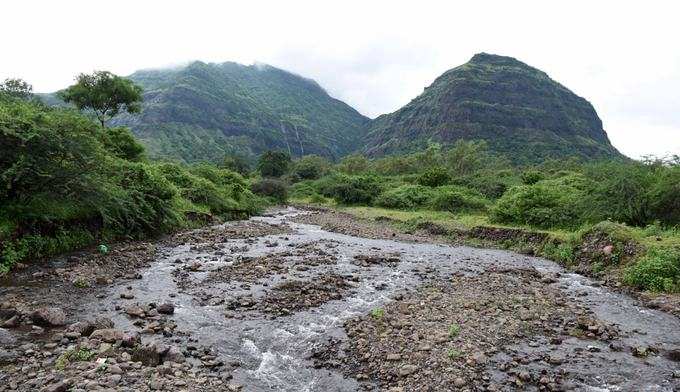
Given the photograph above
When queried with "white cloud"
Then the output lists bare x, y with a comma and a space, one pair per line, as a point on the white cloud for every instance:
622, 56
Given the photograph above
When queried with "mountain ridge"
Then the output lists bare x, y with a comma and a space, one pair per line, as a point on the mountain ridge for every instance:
518, 109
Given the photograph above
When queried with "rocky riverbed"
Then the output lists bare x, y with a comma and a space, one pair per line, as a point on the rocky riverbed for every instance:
318, 301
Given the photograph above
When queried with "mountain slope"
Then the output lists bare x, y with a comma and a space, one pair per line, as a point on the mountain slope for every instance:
517, 109
202, 111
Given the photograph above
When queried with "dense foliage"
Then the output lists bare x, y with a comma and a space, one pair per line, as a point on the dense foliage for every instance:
66, 182
202, 112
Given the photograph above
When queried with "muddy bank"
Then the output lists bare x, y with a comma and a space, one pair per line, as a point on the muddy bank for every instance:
275, 304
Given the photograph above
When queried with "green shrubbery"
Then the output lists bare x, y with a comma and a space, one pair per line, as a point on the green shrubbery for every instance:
658, 270
67, 182
405, 197
545, 204
455, 198
347, 189
274, 189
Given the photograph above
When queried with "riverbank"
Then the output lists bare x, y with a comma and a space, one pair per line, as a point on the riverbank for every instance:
320, 300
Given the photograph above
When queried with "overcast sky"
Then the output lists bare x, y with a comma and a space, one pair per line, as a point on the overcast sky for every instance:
624, 57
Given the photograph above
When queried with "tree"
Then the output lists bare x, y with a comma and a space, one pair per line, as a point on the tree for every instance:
17, 88
104, 93
273, 163
237, 163
310, 167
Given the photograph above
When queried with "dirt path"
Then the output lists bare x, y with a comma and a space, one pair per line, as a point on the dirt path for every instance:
278, 303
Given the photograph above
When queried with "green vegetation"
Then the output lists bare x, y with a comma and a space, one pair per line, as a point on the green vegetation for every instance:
273, 164
599, 217
103, 93
517, 109
378, 313
66, 183
454, 330
73, 355
204, 112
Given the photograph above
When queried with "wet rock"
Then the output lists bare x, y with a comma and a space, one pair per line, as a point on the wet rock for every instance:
166, 308
407, 370
85, 328
48, 317
13, 322
135, 311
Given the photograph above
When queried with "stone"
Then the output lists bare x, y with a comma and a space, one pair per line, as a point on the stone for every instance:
393, 357
407, 369
48, 317
135, 311
166, 308
13, 322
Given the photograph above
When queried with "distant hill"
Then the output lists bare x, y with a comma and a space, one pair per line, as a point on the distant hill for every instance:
519, 110
202, 111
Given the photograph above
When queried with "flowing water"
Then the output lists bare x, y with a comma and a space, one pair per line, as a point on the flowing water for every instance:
274, 352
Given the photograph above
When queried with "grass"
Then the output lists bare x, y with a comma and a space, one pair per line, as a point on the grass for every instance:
378, 313
73, 355
454, 330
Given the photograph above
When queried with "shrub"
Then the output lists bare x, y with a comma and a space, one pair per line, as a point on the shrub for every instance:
664, 197
309, 167
436, 176
271, 188
121, 143
273, 164
302, 190
658, 270
530, 177
405, 197
545, 204
457, 198
351, 189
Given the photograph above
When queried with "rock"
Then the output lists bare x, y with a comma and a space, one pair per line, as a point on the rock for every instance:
13, 322
607, 250
459, 382
48, 317
393, 357
127, 295
135, 311
111, 335
108, 335
166, 308
147, 355
174, 355
673, 355
85, 328
407, 369
58, 387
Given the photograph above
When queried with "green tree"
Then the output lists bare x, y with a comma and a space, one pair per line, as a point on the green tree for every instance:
105, 94
238, 163
310, 167
273, 163
17, 88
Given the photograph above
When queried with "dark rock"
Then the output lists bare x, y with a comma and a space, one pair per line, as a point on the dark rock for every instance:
166, 308
48, 317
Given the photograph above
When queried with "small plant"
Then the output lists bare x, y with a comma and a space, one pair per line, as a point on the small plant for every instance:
378, 313
81, 283
73, 355
454, 330
454, 353
103, 249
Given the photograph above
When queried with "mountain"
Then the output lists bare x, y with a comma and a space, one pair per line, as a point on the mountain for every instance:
519, 110
202, 111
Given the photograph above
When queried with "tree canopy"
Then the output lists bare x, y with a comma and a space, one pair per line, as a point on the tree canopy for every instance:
105, 94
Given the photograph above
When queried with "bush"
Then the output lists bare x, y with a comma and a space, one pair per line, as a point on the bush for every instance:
530, 177
664, 197
456, 199
658, 270
121, 143
273, 164
545, 204
436, 176
405, 197
309, 167
351, 189
271, 188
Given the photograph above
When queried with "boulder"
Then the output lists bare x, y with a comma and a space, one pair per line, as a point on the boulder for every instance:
85, 328
166, 308
48, 317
